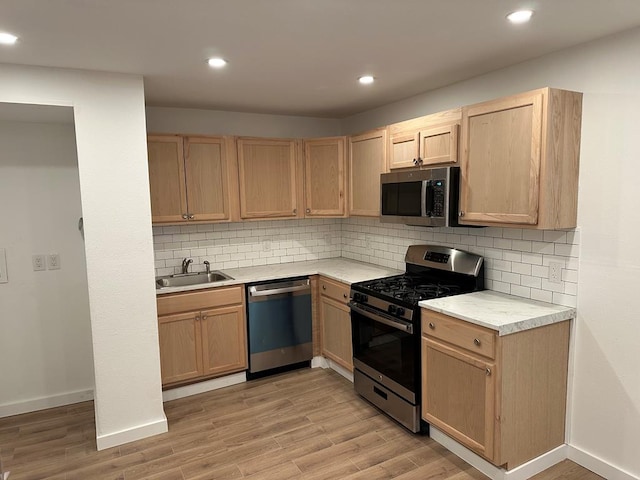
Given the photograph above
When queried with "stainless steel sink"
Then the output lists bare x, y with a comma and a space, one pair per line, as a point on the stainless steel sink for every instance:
185, 279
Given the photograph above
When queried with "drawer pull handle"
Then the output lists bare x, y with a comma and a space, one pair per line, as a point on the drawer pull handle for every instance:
488, 371
432, 326
476, 342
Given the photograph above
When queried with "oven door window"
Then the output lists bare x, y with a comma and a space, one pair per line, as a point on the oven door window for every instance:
402, 199
388, 350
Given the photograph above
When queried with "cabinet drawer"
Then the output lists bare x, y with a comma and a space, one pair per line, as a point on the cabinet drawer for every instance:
199, 300
458, 332
336, 290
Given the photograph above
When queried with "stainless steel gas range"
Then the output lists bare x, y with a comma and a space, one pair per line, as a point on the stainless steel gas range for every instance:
385, 321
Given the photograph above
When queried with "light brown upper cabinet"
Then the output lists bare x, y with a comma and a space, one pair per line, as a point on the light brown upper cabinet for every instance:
270, 178
425, 141
520, 158
192, 179
325, 179
367, 160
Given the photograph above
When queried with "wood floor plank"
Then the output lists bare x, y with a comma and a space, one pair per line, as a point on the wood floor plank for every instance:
308, 425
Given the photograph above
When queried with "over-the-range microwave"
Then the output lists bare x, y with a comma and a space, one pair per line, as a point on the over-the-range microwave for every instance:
421, 197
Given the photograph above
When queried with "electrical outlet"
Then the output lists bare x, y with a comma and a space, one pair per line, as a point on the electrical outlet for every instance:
4, 277
555, 272
266, 245
39, 263
53, 261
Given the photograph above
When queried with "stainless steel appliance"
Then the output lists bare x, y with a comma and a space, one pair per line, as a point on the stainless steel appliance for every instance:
279, 324
421, 197
385, 321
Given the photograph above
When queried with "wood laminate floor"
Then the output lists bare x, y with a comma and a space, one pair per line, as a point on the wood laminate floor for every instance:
307, 424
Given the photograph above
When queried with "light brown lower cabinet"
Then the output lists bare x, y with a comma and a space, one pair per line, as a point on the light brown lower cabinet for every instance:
503, 397
202, 334
335, 322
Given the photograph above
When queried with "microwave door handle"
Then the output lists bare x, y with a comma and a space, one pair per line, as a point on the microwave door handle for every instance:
423, 199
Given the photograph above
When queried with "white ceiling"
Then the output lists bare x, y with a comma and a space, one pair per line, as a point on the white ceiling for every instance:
298, 57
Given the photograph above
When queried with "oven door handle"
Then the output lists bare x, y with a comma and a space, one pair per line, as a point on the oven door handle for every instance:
405, 327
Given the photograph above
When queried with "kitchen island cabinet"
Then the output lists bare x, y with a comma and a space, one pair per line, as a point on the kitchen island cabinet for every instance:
324, 177
501, 396
367, 160
425, 141
335, 320
520, 157
192, 179
202, 334
270, 177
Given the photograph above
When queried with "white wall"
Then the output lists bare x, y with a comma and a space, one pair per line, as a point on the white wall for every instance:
216, 122
114, 186
605, 390
45, 332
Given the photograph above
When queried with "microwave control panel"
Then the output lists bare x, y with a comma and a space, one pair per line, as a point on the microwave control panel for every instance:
439, 197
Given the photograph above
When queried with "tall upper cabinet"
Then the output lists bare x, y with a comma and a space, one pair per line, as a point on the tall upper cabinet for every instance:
367, 160
520, 157
324, 177
270, 178
192, 179
425, 141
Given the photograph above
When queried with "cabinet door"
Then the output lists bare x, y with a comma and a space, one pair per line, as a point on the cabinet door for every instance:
180, 347
403, 150
324, 177
224, 340
439, 145
501, 160
458, 395
367, 160
206, 178
336, 332
268, 182
167, 179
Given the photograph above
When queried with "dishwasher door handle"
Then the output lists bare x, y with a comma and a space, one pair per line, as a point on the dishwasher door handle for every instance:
253, 292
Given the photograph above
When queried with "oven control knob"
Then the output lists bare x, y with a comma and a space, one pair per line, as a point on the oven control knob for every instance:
392, 309
356, 297
400, 311
364, 298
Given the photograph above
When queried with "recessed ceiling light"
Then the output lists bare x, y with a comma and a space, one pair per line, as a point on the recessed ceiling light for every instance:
366, 79
217, 62
521, 16
7, 38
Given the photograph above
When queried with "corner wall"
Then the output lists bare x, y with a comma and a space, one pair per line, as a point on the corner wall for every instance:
45, 332
114, 186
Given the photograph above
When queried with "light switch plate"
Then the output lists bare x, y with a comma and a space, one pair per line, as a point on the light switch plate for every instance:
4, 277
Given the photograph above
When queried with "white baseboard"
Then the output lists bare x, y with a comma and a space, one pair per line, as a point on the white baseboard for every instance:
202, 387
322, 362
43, 403
132, 434
598, 465
522, 472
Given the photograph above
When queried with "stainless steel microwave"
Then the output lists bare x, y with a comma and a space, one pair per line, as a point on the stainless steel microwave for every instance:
421, 197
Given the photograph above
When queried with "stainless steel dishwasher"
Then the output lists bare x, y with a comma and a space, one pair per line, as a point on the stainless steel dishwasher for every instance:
279, 324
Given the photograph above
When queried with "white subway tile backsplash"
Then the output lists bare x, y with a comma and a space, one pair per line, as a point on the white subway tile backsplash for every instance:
516, 260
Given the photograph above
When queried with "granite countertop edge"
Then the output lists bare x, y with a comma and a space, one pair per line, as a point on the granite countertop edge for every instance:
340, 269
503, 313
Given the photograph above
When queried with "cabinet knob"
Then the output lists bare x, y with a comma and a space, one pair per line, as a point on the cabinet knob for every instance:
344, 295
191, 216
415, 161
432, 326
324, 287
419, 161
185, 216
204, 317
308, 210
476, 342
197, 318
295, 210
488, 371
461, 214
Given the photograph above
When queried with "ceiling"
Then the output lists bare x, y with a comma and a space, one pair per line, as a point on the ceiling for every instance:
300, 57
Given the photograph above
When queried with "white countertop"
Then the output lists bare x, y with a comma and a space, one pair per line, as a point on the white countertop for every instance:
498, 311
340, 269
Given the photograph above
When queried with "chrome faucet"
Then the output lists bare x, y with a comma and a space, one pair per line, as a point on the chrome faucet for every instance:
207, 266
185, 264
